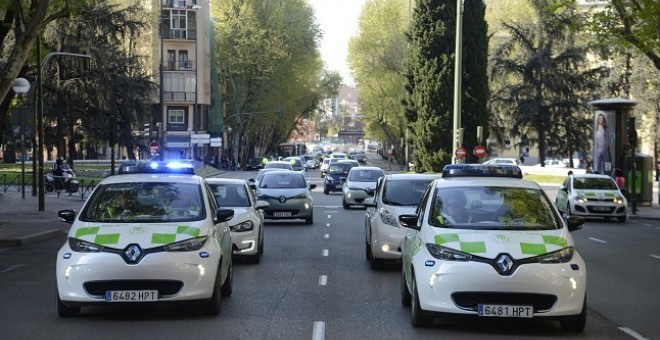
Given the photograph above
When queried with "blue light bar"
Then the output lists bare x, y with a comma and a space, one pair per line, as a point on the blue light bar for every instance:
156, 167
481, 170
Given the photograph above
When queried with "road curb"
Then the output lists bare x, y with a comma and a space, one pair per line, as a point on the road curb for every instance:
32, 238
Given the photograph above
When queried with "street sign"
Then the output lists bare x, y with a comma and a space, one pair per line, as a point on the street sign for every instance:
216, 142
154, 147
200, 138
479, 151
460, 152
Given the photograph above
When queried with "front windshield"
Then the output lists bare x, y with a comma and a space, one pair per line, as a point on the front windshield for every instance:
404, 193
282, 180
145, 202
493, 208
278, 165
339, 168
594, 184
365, 175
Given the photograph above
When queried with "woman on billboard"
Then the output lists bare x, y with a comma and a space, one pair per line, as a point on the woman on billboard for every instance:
602, 141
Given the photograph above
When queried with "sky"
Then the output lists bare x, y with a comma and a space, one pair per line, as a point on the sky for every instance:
338, 21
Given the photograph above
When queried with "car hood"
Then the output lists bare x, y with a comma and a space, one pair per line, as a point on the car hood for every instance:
240, 215
361, 185
491, 243
599, 194
147, 235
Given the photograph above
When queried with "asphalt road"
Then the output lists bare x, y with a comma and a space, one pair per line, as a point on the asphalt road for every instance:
313, 282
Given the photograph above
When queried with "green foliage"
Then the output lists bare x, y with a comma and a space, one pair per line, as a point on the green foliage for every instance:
430, 83
269, 63
376, 60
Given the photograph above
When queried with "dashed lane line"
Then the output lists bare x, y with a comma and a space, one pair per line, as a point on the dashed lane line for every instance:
325, 252
11, 268
655, 256
326, 236
323, 280
319, 330
632, 333
597, 240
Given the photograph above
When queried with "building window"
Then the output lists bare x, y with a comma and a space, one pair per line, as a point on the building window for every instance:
176, 117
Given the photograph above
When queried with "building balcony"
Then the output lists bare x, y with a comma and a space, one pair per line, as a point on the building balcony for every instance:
179, 34
178, 3
188, 65
178, 97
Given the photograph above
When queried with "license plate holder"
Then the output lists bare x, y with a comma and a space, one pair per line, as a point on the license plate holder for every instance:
131, 295
282, 214
505, 311
599, 208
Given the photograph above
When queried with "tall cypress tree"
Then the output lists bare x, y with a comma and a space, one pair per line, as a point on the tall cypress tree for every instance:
430, 83
475, 74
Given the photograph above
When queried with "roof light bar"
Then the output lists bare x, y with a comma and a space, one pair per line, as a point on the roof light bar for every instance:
481, 170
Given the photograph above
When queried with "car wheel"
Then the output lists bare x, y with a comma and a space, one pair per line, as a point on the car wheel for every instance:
623, 218
406, 298
575, 323
325, 190
309, 220
367, 251
417, 317
228, 285
212, 306
346, 205
64, 311
261, 243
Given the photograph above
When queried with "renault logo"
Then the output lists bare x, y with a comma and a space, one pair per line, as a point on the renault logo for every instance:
282, 199
504, 263
133, 253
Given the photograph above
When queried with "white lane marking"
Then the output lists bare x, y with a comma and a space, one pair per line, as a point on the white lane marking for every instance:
323, 280
632, 333
325, 252
12, 268
655, 256
597, 240
329, 216
319, 330
326, 236
329, 207
327, 224
647, 225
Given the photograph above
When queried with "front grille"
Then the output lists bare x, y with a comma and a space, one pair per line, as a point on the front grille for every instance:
595, 210
164, 287
272, 212
469, 300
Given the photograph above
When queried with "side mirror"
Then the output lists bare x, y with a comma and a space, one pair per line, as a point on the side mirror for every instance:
223, 215
409, 221
67, 215
575, 222
262, 204
312, 186
369, 202
251, 180
563, 188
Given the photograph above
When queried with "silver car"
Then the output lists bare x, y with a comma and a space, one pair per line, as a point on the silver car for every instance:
396, 194
360, 184
288, 194
247, 225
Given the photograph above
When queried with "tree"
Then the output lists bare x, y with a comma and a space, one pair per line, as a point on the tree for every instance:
475, 92
547, 80
269, 62
631, 23
430, 83
376, 60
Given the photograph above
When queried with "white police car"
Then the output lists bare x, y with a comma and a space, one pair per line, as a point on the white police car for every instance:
486, 243
592, 195
152, 234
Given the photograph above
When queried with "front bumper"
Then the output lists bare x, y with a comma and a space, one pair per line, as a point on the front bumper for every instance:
386, 240
598, 209
449, 287
296, 208
246, 242
352, 196
83, 278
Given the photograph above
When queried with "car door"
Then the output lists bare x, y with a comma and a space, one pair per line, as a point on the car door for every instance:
371, 213
412, 241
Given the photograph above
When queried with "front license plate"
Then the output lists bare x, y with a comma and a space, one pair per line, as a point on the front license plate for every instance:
282, 214
131, 295
601, 208
338, 186
504, 311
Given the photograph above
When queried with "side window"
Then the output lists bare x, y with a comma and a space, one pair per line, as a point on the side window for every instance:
421, 208
379, 186
211, 199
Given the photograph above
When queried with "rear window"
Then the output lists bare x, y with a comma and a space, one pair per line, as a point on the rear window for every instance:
230, 195
594, 184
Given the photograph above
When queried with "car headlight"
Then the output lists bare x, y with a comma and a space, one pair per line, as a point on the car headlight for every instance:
191, 244
559, 256
387, 217
243, 226
82, 246
581, 198
619, 200
355, 189
447, 254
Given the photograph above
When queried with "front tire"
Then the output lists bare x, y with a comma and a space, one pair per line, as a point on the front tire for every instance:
344, 204
575, 323
406, 298
228, 286
309, 220
623, 218
64, 311
417, 317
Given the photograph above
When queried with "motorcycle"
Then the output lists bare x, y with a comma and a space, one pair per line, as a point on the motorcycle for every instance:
66, 182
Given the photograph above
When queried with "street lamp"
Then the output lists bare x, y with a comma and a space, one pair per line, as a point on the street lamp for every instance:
458, 69
196, 115
21, 86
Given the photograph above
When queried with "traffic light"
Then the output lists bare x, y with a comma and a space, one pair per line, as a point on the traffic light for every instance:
632, 132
